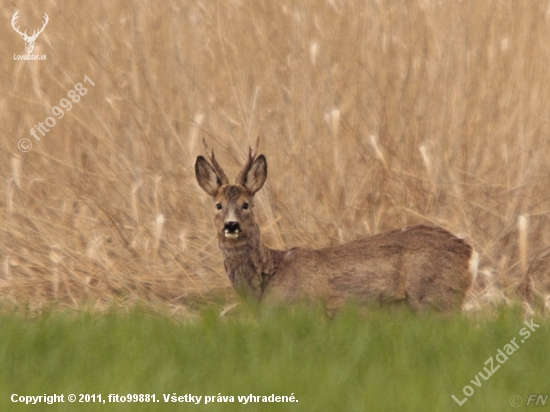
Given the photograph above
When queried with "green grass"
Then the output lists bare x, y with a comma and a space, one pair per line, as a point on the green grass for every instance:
389, 360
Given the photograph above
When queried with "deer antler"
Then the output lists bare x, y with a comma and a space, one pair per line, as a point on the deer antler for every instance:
24, 34
15, 17
35, 33
252, 152
215, 165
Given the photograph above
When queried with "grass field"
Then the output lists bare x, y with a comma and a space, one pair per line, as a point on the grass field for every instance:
388, 361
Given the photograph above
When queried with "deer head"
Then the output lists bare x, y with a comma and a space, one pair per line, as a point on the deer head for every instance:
29, 40
233, 203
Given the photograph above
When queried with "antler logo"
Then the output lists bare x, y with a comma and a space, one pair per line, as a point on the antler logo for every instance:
29, 40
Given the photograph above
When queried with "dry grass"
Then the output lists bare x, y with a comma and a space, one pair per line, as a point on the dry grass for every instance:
373, 115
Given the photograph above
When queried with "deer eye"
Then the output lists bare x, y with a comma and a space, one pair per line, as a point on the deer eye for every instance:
219, 206
245, 206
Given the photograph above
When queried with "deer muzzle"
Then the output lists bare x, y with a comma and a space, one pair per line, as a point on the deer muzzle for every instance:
231, 230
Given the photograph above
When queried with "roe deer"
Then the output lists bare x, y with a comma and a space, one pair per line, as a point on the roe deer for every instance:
427, 267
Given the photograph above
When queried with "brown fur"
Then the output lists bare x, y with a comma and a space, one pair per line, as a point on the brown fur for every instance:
427, 267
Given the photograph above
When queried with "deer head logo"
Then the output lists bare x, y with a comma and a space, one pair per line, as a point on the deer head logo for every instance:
29, 40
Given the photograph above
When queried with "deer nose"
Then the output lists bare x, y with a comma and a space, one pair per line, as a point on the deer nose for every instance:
231, 227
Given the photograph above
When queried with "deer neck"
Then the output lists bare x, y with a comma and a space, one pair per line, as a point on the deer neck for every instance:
249, 264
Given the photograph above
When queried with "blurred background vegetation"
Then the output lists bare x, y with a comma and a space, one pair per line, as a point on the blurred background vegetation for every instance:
373, 115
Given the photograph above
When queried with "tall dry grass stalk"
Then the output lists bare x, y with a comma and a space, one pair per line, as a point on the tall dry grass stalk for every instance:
373, 115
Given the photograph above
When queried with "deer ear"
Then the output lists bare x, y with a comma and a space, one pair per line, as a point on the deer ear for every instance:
207, 177
256, 175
